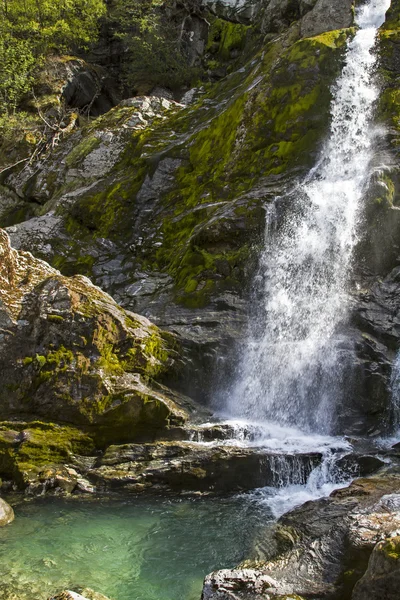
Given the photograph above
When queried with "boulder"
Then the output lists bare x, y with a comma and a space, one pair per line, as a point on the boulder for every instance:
76, 83
327, 15
248, 584
382, 578
78, 357
6, 513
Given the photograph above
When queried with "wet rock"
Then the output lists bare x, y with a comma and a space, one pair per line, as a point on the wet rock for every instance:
359, 466
6, 513
382, 578
198, 467
243, 583
84, 594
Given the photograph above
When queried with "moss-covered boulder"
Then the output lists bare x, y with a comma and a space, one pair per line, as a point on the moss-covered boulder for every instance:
33, 455
69, 353
382, 578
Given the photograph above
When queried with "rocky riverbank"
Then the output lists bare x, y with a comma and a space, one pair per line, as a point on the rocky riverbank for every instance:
339, 547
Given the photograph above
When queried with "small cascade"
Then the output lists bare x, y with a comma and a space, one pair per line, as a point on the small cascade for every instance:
293, 368
293, 489
290, 470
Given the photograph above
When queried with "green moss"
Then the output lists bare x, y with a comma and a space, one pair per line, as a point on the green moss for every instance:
109, 360
391, 548
55, 318
47, 444
41, 360
59, 359
81, 151
225, 37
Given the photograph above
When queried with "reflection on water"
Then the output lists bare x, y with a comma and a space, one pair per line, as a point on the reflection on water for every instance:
147, 549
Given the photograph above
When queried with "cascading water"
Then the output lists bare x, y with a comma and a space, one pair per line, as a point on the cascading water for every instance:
395, 390
292, 368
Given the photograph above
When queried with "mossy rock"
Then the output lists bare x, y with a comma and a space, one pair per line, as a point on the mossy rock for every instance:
71, 354
44, 445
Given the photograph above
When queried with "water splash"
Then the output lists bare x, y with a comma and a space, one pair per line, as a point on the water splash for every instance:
322, 480
294, 366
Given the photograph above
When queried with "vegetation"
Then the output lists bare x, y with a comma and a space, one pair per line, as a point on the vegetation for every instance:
155, 46
30, 29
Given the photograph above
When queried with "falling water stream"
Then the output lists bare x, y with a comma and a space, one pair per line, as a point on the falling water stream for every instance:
283, 399
292, 369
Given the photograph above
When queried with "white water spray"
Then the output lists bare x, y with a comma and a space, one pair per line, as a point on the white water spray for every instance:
293, 366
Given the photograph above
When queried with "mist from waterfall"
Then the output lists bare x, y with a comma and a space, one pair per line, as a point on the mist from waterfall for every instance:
293, 368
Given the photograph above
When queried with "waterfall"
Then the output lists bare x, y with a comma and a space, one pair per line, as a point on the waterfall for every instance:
395, 391
293, 366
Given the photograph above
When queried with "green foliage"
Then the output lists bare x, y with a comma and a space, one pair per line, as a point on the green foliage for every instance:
155, 49
30, 29
16, 63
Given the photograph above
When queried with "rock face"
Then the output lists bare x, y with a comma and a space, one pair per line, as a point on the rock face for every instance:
69, 353
6, 513
136, 200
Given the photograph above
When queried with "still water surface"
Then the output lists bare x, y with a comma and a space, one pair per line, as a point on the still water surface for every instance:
147, 549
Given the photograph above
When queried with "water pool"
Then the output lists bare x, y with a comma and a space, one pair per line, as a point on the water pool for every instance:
147, 549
